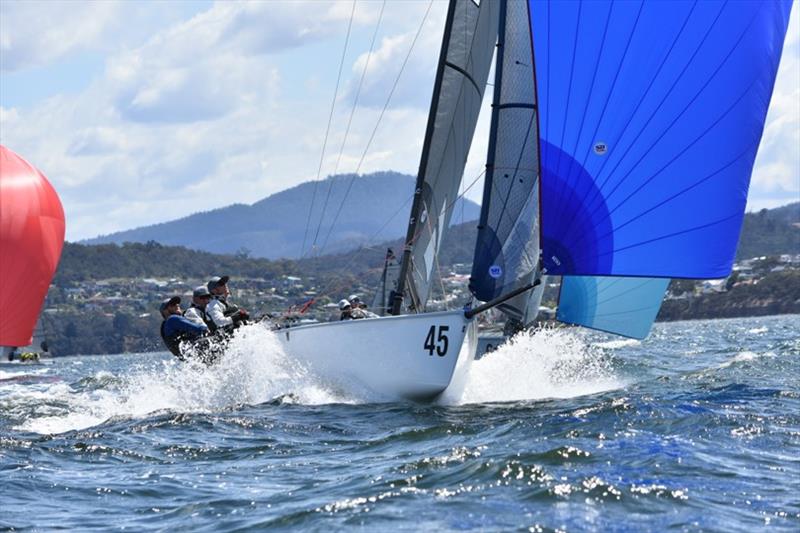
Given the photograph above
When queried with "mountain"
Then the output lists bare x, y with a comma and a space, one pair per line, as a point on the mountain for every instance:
376, 209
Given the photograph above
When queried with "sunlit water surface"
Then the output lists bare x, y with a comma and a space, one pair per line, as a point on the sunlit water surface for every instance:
696, 428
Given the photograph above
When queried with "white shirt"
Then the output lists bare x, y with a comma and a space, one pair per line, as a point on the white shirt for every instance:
216, 312
359, 312
195, 315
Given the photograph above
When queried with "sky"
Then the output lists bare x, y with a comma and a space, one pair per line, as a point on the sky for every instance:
144, 112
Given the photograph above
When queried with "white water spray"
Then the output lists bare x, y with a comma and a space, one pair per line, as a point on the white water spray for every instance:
544, 363
253, 370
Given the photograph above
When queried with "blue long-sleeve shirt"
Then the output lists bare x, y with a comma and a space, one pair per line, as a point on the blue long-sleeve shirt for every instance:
176, 324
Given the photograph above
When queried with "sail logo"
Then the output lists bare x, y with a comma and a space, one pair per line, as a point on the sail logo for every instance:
495, 271
600, 148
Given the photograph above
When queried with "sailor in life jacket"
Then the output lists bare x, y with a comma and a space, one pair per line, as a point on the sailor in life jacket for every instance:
197, 311
219, 310
345, 310
359, 308
175, 328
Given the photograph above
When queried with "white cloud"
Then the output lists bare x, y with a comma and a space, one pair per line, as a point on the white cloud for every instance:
97, 141
268, 27
185, 120
416, 84
776, 174
37, 32
231, 104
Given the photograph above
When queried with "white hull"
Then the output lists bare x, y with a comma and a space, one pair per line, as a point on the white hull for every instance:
409, 356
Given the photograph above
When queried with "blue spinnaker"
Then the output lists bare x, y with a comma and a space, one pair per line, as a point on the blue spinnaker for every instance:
650, 118
625, 306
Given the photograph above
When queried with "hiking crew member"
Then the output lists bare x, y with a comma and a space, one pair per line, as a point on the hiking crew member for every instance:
197, 311
346, 310
175, 328
219, 310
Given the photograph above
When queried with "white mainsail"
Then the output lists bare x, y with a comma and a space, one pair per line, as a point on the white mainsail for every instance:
467, 49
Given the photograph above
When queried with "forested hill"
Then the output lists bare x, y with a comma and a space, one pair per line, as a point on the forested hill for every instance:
81, 262
102, 301
365, 207
768, 232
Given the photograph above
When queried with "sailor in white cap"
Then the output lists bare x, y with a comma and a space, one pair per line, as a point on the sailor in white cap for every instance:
346, 309
359, 308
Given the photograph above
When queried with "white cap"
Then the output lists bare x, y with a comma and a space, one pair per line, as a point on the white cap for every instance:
343, 304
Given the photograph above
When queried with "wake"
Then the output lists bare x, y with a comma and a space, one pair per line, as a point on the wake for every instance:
534, 365
254, 370
545, 363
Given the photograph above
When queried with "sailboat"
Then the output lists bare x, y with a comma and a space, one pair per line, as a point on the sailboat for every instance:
31, 238
37, 350
622, 140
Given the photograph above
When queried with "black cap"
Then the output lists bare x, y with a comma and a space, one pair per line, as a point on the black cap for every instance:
216, 281
169, 301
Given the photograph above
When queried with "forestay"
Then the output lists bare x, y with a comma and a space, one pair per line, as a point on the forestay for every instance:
651, 115
467, 50
507, 249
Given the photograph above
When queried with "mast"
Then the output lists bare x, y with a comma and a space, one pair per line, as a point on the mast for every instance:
468, 43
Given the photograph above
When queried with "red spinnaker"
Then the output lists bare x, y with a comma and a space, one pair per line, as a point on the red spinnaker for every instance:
31, 238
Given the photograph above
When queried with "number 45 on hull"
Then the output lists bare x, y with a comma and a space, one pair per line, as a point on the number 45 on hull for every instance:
410, 356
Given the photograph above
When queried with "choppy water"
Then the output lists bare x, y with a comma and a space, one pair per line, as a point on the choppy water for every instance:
697, 428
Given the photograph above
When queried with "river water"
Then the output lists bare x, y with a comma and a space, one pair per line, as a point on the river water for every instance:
696, 428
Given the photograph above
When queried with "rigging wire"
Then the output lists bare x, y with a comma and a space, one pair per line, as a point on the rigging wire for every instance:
358, 252
349, 122
375, 129
328, 128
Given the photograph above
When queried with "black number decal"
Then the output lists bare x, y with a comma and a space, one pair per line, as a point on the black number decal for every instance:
437, 342
442, 350
429, 341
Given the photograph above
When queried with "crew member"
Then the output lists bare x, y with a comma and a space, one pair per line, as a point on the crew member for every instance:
345, 310
359, 308
219, 310
197, 311
175, 328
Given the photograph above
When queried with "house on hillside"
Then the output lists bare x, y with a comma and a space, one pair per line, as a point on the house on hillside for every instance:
713, 285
